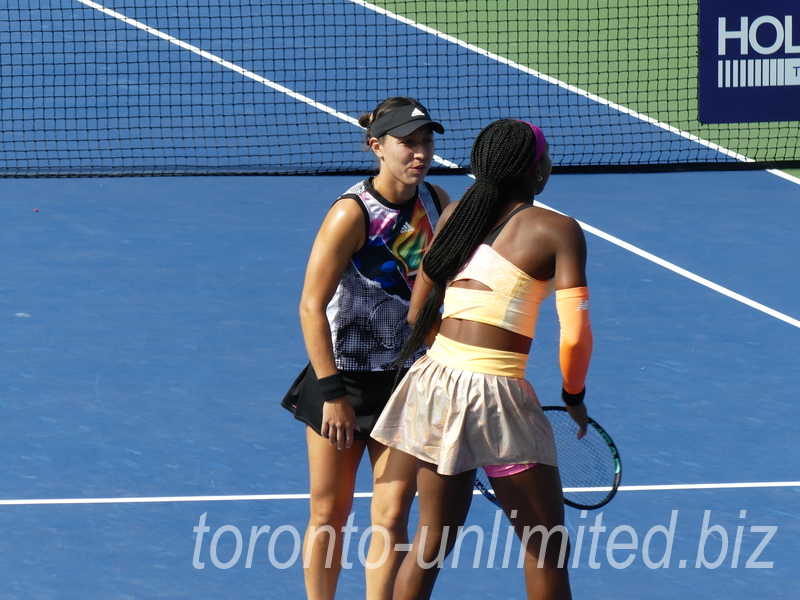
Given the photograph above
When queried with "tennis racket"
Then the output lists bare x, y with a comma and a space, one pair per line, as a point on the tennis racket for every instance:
590, 468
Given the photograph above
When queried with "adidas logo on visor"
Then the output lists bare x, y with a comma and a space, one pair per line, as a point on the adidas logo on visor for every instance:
417, 113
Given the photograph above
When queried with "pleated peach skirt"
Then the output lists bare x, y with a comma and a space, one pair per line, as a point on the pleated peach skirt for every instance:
460, 419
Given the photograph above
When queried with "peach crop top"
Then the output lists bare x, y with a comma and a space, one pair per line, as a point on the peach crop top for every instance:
512, 302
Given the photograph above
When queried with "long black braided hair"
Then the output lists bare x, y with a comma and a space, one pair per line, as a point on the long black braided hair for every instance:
501, 155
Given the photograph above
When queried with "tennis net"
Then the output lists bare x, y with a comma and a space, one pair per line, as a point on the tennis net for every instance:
275, 87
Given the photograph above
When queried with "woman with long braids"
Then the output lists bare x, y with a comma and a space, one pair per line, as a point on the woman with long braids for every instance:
353, 312
465, 404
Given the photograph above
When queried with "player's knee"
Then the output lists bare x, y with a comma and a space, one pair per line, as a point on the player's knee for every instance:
329, 512
550, 550
391, 514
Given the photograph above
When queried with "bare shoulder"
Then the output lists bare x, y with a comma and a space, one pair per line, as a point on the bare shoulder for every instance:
444, 197
344, 225
556, 224
446, 213
345, 205
346, 213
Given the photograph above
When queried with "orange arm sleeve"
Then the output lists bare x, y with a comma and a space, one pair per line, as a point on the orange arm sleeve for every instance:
576, 337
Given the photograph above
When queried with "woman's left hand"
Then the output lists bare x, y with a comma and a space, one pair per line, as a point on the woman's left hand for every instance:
580, 416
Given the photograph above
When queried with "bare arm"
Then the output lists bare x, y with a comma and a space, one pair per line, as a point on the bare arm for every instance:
342, 233
570, 252
444, 197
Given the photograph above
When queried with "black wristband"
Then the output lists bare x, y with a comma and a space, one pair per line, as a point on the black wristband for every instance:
332, 387
572, 399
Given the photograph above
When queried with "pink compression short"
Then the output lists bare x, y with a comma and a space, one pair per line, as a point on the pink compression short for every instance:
507, 470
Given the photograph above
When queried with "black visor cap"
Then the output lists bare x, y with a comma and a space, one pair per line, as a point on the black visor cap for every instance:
403, 121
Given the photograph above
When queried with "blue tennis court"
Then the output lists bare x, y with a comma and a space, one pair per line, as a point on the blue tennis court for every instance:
150, 330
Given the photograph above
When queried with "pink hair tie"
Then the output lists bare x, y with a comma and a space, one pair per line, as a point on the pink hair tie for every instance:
540, 144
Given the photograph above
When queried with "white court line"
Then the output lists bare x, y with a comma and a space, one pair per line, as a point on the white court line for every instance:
352, 121
220, 61
708, 486
438, 159
242, 71
262, 497
689, 275
157, 499
568, 87
681, 271
554, 81
786, 176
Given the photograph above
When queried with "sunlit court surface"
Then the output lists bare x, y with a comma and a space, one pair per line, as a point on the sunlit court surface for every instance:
150, 328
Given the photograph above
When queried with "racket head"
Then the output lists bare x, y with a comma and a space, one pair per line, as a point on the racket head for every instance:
590, 468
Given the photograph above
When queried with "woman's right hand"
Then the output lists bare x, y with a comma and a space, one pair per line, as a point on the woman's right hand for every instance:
580, 416
338, 422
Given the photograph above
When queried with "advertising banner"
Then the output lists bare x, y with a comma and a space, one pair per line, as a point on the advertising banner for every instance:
749, 63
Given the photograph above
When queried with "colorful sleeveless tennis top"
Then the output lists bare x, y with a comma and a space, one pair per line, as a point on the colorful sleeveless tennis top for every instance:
367, 313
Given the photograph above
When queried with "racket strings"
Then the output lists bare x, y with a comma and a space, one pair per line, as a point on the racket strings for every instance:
588, 468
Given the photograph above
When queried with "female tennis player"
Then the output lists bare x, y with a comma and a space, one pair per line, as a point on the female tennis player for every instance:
465, 403
353, 312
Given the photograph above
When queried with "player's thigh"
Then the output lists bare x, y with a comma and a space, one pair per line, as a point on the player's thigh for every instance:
332, 472
394, 481
444, 500
535, 494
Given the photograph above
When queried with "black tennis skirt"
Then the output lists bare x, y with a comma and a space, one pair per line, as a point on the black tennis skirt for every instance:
368, 392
